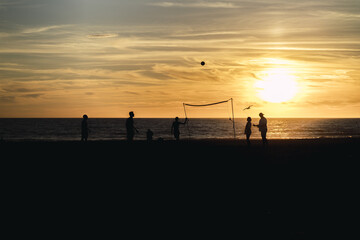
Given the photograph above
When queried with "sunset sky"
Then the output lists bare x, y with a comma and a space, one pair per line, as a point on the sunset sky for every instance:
287, 58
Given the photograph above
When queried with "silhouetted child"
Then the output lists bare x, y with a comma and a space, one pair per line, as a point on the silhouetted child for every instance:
175, 128
247, 131
149, 135
84, 128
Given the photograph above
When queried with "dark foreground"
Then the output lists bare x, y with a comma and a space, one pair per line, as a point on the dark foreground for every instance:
287, 151
293, 189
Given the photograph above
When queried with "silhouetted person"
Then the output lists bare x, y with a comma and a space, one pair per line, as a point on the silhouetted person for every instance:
149, 135
84, 128
247, 131
130, 128
175, 128
262, 128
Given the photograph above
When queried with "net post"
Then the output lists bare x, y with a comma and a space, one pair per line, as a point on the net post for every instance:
187, 123
232, 108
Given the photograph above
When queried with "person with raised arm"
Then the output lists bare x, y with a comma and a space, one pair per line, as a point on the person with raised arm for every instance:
175, 128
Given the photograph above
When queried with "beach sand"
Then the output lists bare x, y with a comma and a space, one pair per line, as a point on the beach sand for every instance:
279, 151
293, 189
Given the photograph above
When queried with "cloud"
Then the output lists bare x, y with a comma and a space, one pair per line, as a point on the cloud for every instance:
131, 92
18, 89
196, 4
100, 35
7, 99
34, 95
4, 4
42, 29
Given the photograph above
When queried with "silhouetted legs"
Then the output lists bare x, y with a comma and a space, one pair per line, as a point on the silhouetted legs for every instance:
177, 136
84, 135
130, 136
248, 139
149, 136
264, 140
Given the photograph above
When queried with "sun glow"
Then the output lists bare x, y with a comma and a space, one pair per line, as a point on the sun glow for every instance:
276, 85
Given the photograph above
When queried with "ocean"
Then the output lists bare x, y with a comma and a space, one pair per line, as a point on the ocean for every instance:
69, 129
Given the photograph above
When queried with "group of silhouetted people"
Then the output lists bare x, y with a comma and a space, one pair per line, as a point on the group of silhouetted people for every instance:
175, 129
131, 129
262, 128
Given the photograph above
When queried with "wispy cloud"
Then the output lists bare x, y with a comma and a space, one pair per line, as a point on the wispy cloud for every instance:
34, 95
101, 35
4, 4
195, 4
42, 29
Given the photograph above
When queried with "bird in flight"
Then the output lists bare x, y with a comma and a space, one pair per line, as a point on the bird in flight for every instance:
247, 107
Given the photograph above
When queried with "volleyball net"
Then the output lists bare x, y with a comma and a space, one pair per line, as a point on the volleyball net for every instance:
230, 100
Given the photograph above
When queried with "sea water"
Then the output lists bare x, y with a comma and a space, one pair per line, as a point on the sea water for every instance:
64, 129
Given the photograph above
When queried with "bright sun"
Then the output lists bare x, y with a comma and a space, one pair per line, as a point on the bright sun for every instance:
276, 85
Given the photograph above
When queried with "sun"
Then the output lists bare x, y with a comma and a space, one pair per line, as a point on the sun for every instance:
276, 85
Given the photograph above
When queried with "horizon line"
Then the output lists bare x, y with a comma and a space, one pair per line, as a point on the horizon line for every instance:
179, 117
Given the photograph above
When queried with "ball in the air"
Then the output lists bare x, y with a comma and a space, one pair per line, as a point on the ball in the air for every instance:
202, 63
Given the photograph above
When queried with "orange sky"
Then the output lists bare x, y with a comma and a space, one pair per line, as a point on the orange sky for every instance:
106, 58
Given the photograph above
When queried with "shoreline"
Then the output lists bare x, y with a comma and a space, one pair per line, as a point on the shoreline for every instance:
184, 139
